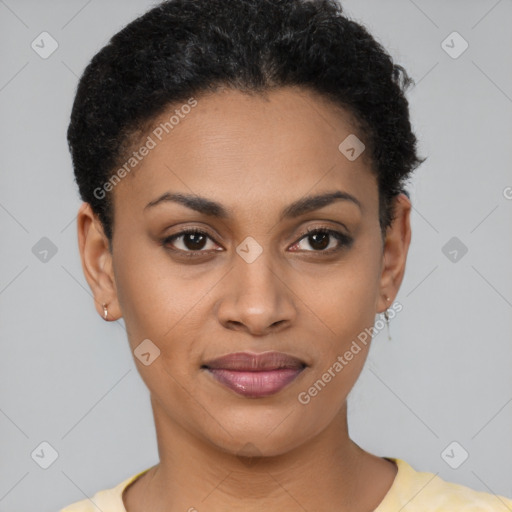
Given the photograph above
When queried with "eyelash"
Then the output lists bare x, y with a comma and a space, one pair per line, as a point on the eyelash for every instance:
343, 240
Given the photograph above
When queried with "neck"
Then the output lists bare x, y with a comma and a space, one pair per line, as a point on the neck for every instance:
328, 472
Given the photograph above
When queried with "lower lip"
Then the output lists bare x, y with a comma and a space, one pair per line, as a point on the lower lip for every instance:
255, 384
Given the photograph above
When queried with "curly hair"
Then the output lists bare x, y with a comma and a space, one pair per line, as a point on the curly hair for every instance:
182, 48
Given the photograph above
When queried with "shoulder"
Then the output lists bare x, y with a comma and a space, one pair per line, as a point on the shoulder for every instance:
108, 499
423, 491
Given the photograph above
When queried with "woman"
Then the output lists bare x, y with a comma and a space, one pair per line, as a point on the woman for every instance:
242, 165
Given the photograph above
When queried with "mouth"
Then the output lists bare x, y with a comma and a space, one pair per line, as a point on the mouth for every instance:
255, 375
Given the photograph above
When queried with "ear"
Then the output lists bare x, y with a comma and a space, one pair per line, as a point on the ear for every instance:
394, 257
97, 261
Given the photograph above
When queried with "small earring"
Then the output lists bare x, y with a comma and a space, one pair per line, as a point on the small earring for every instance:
105, 311
386, 316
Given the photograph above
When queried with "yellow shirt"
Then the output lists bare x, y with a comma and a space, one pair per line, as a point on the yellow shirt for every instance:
412, 491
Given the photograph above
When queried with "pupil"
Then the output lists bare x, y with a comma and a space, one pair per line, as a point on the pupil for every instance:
196, 245
323, 244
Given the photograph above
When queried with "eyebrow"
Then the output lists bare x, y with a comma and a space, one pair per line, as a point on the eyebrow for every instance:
295, 209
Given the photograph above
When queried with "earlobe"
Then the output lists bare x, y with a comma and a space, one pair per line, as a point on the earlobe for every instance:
97, 261
396, 247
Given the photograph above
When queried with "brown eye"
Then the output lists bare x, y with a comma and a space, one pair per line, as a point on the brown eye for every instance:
320, 240
191, 240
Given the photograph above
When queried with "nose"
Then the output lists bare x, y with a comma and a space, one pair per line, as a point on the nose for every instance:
256, 298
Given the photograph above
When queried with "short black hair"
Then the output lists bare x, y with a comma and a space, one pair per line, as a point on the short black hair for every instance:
182, 48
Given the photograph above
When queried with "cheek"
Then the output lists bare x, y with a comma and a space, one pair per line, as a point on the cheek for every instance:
152, 296
342, 303
344, 311
159, 305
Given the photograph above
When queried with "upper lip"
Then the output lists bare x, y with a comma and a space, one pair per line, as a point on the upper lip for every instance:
247, 361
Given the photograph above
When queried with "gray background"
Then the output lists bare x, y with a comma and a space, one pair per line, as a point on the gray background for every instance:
68, 378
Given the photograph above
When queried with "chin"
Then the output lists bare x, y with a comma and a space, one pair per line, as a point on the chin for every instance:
257, 432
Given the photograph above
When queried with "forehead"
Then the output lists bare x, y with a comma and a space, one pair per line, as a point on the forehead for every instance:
234, 147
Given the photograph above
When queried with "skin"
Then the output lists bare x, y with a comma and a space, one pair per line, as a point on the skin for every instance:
255, 155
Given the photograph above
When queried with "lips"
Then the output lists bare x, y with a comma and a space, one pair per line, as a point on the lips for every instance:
246, 361
255, 375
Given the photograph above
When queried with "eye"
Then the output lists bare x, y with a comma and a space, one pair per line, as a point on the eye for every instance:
192, 241
320, 240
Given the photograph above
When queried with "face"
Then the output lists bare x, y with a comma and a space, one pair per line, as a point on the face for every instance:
253, 279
